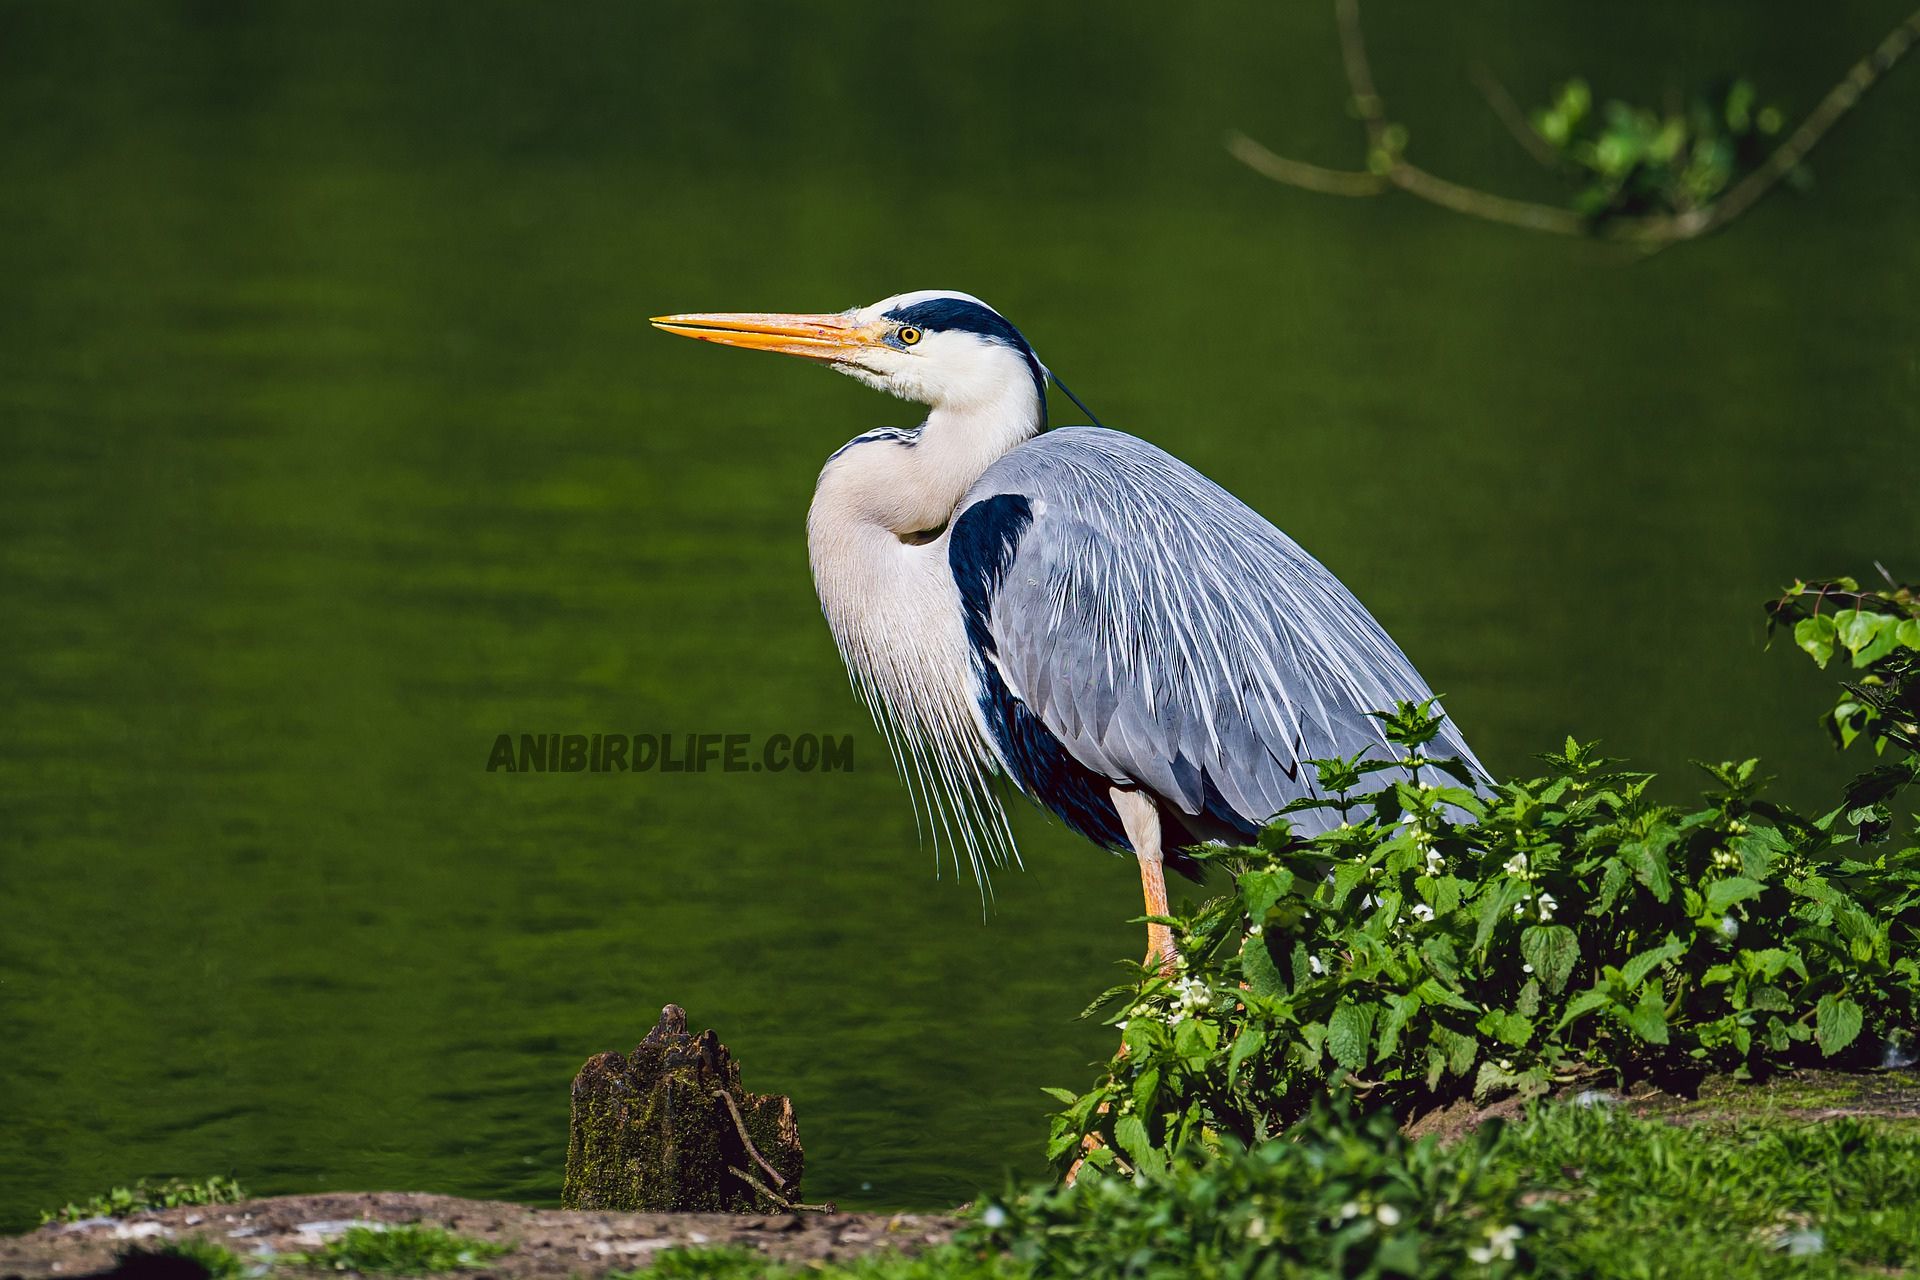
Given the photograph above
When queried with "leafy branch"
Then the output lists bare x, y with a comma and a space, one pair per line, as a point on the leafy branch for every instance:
1646, 180
1442, 942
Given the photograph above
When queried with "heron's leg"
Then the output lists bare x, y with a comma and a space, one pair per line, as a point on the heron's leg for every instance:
1141, 821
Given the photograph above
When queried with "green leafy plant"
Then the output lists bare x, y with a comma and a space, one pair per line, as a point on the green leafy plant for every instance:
405, 1250
143, 1196
1345, 1196
1636, 161
1443, 941
1554, 1194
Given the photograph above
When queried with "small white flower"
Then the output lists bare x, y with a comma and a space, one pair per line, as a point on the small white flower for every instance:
994, 1217
1506, 1064
1500, 1244
1517, 866
1421, 911
1313, 963
1547, 906
1256, 1228
1253, 931
1351, 1209
1121, 1025
1526, 968
1729, 927
1726, 859
1388, 1215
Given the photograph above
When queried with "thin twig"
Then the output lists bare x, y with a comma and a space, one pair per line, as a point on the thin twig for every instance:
1298, 173
1367, 103
791, 1206
1840, 99
1389, 169
740, 1123
1484, 204
1514, 118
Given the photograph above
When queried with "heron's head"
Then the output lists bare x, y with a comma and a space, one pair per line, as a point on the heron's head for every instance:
935, 347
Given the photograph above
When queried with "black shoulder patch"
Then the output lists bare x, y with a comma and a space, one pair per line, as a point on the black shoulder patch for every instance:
980, 549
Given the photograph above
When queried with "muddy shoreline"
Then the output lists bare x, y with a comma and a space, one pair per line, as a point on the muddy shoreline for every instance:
547, 1244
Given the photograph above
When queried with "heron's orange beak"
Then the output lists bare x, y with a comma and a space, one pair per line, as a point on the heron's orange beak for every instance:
814, 337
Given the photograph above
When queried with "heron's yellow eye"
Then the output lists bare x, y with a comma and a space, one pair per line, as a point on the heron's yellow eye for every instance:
908, 335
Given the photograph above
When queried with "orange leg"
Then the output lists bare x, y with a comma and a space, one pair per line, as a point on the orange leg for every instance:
1142, 823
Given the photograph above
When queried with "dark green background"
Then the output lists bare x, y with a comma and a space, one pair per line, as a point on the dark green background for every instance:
333, 442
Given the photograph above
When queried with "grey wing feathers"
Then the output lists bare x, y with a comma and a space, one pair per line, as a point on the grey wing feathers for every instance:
1169, 635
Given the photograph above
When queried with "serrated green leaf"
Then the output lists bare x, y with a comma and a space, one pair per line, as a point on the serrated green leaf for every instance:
1722, 894
1260, 890
1130, 1133
1066, 1097
1584, 1003
1245, 1045
1393, 1020
1350, 1033
1649, 866
1553, 950
1146, 1088
1636, 970
1257, 967
1508, 1028
1648, 1020
1837, 1022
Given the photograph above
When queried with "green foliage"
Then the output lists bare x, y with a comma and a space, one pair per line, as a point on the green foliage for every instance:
212, 1259
1827, 1199
143, 1196
1343, 1197
1554, 1195
1443, 942
1557, 1193
944, 1262
1878, 632
1635, 161
405, 1250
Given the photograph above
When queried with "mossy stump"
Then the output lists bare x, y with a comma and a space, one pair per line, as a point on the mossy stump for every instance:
668, 1128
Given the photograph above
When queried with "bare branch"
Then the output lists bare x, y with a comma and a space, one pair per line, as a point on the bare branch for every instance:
1840, 99
1298, 173
1389, 169
746, 1140
1484, 204
1353, 55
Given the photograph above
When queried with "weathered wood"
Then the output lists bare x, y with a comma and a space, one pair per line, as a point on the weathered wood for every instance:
668, 1127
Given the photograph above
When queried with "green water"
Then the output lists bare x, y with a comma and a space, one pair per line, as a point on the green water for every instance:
334, 442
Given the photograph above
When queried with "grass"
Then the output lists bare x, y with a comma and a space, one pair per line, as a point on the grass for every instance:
407, 1251
142, 1196
945, 1262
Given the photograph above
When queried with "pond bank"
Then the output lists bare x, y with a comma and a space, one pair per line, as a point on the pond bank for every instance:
548, 1244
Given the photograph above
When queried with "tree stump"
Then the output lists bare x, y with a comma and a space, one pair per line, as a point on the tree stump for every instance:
668, 1127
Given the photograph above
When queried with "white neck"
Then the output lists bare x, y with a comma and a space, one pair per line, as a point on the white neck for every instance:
877, 537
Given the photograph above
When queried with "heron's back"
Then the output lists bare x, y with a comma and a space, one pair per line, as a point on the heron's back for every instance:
1132, 621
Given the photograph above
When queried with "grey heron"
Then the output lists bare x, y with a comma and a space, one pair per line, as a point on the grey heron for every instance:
1072, 609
